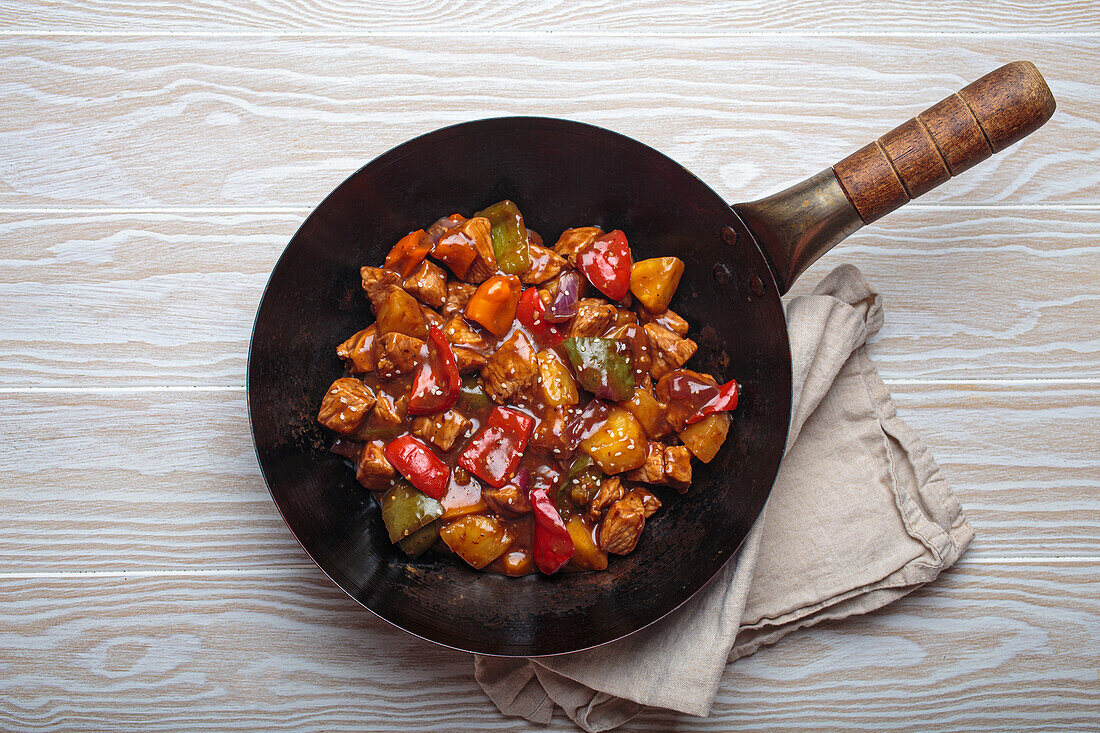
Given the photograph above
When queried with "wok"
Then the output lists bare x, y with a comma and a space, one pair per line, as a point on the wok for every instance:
565, 174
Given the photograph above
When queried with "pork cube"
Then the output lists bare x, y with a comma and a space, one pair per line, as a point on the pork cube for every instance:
358, 351
389, 411
665, 465
511, 369
373, 471
573, 241
377, 282
549, 434
459, 332
427, 283
668, 350
467, 360
594, 317
653, 470
345, 405
545, 264
508, 502
442, 430
485, 264
677, 467
669, 319
396, 354
611, 490
458, 295
625, 520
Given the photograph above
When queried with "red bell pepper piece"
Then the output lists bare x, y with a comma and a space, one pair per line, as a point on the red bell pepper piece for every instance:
437, 383
416, 462
409, 252
531, 312
726, 399
606, 263
553, 545
495, 451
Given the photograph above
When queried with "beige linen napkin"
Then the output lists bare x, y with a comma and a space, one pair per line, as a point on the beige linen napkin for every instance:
858, 517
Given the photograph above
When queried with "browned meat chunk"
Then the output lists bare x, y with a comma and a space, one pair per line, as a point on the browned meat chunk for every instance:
624, 316
459, 332
345, 405
653, 470
485, 264
667, 350
678, 467
467, 360
611, 490
458, 295
378, 282
507, 502
373, 470
443, 430
594, 317
511, 369
545, 264
625, 520
396, 354
650, 503
427, 283
573, 241
389, 410
666, 465
549, 434
434, 319
357, 351
669, 319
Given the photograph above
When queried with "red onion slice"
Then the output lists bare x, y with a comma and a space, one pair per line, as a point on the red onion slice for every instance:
563, 305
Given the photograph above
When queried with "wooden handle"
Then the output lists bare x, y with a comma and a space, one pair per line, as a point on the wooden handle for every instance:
982, 118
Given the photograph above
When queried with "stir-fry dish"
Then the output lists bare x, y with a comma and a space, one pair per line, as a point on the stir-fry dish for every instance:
511, 402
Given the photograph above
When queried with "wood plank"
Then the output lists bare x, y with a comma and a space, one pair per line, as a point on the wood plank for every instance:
200, 120
980, 293
968, 292
168, 480
1009, 647
592, 16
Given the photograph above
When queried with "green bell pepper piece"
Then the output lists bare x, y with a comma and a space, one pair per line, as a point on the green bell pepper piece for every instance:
509, 237
580, 484
419, 541
405, 510
603, 366
472, 397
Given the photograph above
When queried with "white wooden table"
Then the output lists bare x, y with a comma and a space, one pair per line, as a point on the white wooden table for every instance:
155, 158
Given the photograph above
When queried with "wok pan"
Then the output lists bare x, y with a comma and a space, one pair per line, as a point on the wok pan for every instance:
565, 174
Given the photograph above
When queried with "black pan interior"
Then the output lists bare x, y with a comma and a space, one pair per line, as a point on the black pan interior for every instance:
561, 174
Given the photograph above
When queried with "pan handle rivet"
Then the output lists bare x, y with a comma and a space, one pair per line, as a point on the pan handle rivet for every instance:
756, 285
729, 235
722, 273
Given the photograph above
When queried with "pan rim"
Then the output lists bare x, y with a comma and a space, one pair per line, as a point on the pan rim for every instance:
395, 154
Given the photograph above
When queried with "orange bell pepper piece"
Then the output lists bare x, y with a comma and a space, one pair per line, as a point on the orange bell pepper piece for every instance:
493, 304
409, 252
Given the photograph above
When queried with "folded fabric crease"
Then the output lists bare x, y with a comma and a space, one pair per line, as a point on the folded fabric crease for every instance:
859, 516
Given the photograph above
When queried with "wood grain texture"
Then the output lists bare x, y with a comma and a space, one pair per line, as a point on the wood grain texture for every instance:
212, 121
579, 15
168, 480
146, 579
108, 299
1002, 108
989, 646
